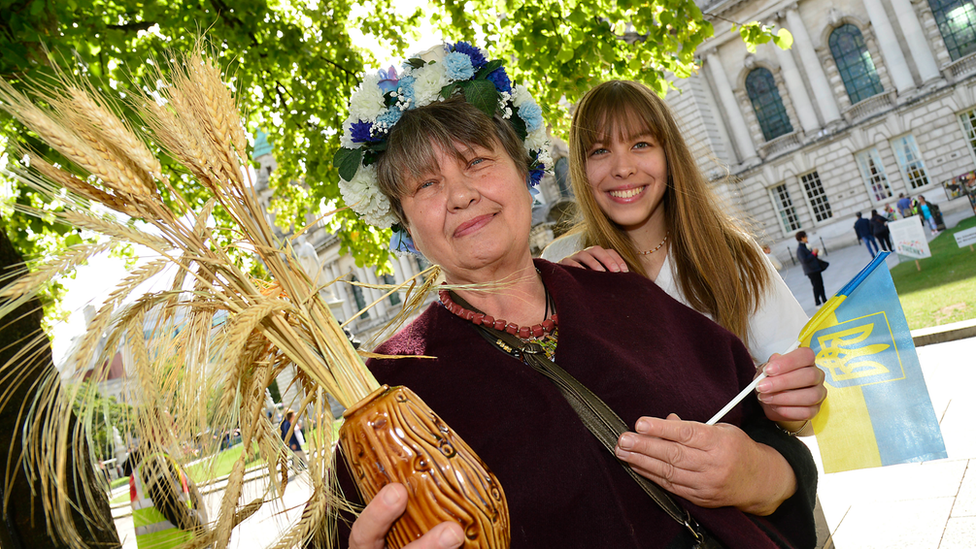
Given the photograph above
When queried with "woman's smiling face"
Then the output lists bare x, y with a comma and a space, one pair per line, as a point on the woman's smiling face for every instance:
471, 215
628, 176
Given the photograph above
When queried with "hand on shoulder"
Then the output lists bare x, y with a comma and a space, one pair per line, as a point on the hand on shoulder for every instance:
596, 258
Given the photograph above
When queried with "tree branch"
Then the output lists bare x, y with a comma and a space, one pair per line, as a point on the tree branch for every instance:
134, 26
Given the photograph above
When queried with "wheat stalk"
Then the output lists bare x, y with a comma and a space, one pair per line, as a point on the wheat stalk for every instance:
237, 333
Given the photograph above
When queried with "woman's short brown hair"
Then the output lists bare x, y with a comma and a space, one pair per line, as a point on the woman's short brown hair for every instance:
454, 126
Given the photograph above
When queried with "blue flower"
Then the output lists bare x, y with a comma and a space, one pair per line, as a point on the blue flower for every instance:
405, 89
500, 80
388, 80
361, 132
535, 175
390, 117
458, 66
531, 114
477, 59
402, 242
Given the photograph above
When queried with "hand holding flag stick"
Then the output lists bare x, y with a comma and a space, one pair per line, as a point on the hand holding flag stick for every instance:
879, 411
826, 310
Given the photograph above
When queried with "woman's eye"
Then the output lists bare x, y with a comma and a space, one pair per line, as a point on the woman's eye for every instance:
598, 151
475, 162
425, 184
642, 145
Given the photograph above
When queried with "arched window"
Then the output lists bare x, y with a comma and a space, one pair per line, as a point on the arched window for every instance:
957, 23
854, 63
768, 104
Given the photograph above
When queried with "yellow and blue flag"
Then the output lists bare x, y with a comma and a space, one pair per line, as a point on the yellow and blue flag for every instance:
878, 410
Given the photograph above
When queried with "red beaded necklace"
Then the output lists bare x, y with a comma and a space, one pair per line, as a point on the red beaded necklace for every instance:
545, 327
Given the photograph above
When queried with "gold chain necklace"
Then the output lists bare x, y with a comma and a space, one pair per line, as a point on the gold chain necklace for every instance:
656, 248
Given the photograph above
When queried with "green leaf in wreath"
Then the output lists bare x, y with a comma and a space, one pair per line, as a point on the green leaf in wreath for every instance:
489, 68
481, 94
347, 161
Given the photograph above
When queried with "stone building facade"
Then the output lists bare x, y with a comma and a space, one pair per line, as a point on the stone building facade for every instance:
875, 98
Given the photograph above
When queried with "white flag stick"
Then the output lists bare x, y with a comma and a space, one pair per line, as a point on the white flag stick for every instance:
742, 394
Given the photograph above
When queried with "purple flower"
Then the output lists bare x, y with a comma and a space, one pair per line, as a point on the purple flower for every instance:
361, 131
500, 80
477, 59
388, 80
535, 174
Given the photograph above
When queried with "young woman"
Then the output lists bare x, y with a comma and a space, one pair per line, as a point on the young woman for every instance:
647, 208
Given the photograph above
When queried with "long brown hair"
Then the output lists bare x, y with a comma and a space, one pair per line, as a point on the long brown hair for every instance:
718, 265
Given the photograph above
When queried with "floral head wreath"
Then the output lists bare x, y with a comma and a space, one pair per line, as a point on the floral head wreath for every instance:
435, 75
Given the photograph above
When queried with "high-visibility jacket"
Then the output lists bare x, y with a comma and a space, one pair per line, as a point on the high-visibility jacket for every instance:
153, 529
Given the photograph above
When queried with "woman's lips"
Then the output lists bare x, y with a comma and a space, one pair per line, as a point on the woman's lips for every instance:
472, 225
626, 195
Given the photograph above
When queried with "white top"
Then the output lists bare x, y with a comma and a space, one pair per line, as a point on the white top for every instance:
773, 328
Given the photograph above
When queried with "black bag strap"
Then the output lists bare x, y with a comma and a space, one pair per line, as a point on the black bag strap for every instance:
599, 418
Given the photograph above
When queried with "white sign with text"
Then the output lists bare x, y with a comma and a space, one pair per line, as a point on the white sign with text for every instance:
966, 238
908, 236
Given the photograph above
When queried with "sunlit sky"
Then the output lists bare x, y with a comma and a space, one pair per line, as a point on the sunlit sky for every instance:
93, 282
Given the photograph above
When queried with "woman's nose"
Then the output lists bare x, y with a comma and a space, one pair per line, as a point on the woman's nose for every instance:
623, 166
462, 193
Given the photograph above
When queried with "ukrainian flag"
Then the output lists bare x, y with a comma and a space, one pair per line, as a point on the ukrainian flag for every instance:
878, 410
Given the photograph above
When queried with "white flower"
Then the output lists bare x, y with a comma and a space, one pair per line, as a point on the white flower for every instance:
539, 141
428, 83
367, 101
346, 140
363, 195
521, 95
435, 54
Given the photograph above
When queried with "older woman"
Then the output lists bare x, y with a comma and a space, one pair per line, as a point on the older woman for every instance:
455, 180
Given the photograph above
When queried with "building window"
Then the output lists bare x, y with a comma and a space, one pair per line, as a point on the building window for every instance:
816, 195
910, 161
784, 205
873, 173
357, 294
968, 121
957, 23
390, 280
854, 63
767, 103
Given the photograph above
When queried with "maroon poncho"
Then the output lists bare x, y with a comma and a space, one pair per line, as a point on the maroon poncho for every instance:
644, 354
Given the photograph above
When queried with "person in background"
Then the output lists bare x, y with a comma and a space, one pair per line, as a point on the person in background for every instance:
862, 228
289, 434
904, 205
927, 213
772, 258
812, 266
879, 226
167, 509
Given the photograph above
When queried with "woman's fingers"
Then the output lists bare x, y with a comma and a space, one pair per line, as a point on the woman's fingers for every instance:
370, 529
794, 386
596, 258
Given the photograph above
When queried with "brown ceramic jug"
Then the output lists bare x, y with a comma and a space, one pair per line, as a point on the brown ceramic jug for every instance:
392, 436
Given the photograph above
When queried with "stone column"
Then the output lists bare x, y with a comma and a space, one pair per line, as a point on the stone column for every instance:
380, 306
408, 266
340, 293
890, 48
798, 92
740, 132
815, 72
918, 44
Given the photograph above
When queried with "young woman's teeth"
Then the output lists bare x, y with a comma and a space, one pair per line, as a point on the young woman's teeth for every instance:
628, 193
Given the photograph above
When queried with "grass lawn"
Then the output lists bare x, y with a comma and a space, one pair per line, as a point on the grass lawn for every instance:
944, 291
